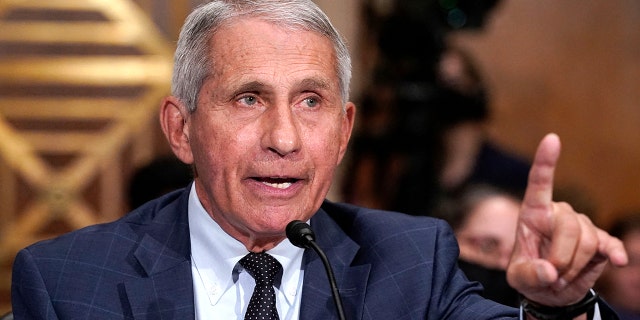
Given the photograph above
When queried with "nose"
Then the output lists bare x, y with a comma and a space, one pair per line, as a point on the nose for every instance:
281, 134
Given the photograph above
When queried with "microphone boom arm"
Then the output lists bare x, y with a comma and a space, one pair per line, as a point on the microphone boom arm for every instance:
332, 281
301, 235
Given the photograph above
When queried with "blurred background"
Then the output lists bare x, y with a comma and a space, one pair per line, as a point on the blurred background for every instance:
450, 93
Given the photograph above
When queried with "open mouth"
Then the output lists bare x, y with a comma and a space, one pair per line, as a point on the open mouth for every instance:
278, 183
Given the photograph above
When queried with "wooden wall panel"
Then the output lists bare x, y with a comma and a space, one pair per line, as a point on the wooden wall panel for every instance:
80, 86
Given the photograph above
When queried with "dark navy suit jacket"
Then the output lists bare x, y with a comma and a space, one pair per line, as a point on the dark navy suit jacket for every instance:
387, 265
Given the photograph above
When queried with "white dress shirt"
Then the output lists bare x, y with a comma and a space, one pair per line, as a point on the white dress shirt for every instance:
222, 289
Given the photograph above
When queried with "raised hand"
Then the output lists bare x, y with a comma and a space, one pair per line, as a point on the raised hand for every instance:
559, 254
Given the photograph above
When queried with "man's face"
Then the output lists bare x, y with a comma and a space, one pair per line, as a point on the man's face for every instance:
269, 129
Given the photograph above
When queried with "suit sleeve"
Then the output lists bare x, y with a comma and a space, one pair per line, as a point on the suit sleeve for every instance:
453, 295
458, 298
29, 296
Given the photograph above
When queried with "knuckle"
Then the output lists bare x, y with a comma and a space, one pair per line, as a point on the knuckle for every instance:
590, 244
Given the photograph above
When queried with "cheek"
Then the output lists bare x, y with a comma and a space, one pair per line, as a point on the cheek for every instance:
221, 151
325, 146
208, 146
324, 159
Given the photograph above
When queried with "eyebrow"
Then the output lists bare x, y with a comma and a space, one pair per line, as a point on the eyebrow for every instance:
253, 86
308, 84
313, 84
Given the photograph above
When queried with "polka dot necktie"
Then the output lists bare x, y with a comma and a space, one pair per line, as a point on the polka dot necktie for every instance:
263, 268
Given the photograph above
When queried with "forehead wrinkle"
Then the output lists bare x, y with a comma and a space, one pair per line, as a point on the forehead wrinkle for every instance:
239, 63
255, 67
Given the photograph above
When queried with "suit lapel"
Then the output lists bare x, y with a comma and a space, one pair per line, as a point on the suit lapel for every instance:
166, 292
317, 301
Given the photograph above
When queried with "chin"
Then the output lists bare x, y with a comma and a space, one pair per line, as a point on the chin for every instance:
270, 224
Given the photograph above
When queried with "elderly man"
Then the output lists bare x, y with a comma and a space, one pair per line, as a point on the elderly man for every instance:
260, 111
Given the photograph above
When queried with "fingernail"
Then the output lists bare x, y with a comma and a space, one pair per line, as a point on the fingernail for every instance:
542, 275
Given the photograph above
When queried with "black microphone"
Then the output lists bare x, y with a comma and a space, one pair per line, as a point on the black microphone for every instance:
301, 235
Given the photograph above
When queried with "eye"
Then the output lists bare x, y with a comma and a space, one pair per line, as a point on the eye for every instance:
311, 102
248, 100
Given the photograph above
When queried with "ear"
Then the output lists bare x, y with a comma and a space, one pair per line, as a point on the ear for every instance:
348, 120
175, 122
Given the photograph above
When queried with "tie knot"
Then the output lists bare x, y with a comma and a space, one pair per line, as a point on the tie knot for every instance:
261, 266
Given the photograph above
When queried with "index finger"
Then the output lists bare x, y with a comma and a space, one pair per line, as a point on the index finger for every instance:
539, 193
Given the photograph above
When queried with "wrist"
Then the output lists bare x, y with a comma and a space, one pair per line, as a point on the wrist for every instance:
542, 312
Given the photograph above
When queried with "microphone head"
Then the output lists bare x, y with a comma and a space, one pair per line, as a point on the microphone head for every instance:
300, 233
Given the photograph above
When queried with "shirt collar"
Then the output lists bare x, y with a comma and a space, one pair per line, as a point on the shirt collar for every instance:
213, 249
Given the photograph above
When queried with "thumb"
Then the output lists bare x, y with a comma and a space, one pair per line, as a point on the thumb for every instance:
531, 275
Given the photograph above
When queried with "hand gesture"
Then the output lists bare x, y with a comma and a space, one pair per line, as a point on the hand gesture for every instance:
559, 254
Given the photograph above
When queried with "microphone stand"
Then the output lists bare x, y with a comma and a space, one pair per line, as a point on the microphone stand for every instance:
332, 279
301, 235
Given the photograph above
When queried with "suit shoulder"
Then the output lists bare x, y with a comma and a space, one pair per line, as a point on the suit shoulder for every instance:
376, 218
378, 226
99, 236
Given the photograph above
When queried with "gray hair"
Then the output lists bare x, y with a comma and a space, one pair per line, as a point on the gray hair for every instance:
192, 64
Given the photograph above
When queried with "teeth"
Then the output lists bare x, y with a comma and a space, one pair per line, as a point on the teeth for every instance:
282, 185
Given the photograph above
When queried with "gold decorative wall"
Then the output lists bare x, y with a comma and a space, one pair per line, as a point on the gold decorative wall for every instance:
80, 86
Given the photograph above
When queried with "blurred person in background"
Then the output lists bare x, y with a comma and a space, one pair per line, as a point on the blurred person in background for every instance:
424, 118
484, 220
621, 286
